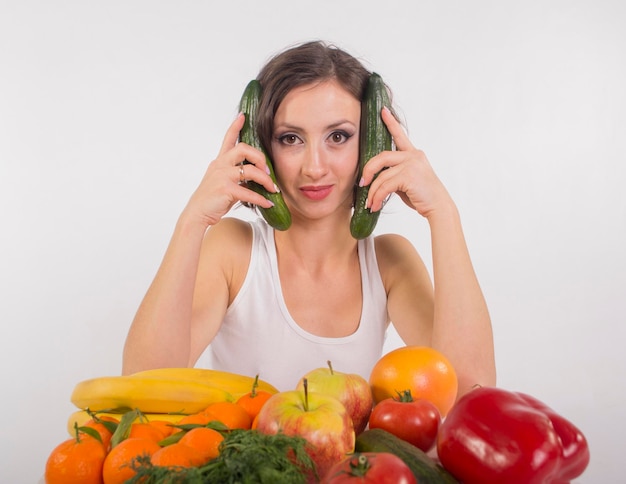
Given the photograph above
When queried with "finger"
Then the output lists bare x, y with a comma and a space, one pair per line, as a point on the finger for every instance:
380, 190
396, 130
244, 153
387, 159
232, 134
378, 163
248, 172
249, 196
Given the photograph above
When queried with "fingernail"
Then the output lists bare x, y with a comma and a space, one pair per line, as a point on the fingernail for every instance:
362, 182
271, 203
276, 189
267, 170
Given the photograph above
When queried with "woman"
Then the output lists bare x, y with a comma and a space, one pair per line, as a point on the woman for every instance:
281, 303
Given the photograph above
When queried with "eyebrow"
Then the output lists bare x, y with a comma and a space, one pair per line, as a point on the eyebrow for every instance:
330, 126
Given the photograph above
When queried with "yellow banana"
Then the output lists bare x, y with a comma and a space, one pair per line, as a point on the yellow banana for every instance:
81, 417
150, 395
235, 384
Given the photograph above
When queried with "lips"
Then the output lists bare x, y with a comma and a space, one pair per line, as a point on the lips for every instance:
316, 192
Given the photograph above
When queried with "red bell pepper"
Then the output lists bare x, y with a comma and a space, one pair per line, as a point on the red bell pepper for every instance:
498, 436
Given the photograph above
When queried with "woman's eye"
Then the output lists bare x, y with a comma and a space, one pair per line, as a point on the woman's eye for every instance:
288, 139
339, 137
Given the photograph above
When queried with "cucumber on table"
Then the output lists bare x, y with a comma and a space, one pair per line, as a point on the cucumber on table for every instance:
424, 468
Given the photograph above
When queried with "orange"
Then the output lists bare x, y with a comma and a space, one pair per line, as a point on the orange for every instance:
178, 455
117, 465
147, 430
78, 460
102, 429
253, 402
230, 414
423, 370
204, 439
166, 427
200, 418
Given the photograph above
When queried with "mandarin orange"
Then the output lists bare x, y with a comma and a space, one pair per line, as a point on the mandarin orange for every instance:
178, 455
230, 414
204, 439
78, 460
117, 465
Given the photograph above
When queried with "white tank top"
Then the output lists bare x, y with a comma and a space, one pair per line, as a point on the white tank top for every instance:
259, 336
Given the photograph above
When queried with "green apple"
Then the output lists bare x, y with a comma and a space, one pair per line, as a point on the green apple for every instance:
352, 390
319, 418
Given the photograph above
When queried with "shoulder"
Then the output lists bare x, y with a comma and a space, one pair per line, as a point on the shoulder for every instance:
391, 248
225, 255
227, 241
397, 258
229, 231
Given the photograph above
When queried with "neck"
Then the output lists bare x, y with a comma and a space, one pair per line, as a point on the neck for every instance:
316, 245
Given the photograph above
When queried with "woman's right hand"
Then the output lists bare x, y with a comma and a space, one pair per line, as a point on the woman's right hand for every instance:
222, 187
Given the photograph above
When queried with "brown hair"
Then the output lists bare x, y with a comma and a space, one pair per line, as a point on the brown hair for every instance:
310, 62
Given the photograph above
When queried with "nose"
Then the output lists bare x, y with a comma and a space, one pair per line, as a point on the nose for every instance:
315, 163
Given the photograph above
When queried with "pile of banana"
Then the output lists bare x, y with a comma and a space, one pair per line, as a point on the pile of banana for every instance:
163, 393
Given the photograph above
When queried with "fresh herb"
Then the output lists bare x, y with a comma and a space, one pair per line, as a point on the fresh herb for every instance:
123, 429
246, 457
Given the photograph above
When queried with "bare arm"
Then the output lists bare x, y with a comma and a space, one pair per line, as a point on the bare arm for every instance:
462, 326
459, 326
181, 310
160, 335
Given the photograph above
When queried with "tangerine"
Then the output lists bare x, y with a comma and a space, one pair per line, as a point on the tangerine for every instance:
204, 439
147, 430
200, 418
105, 431
230, 414
421, 369
253, 401
77, 460
178, 455
118, 463
166, 427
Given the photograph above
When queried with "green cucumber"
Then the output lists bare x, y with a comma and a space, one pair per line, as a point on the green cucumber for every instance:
374, 138
424, 468
277, 216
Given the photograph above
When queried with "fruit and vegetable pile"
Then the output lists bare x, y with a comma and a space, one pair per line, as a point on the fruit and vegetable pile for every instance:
403, 425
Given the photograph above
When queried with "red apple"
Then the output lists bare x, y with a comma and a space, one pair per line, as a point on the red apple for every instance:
351, 389
319, 418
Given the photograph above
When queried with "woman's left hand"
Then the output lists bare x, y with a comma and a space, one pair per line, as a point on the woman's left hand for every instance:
406, 172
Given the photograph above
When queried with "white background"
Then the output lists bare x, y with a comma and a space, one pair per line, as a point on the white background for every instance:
110, 111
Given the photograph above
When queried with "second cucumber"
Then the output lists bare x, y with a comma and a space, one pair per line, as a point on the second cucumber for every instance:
277, 216
374, 138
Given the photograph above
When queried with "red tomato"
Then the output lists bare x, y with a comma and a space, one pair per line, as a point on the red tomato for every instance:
370, 467
416, 421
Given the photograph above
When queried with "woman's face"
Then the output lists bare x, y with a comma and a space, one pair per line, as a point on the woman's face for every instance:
315, 147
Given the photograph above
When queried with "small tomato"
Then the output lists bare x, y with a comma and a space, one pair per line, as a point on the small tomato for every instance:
372, 468
415, 421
